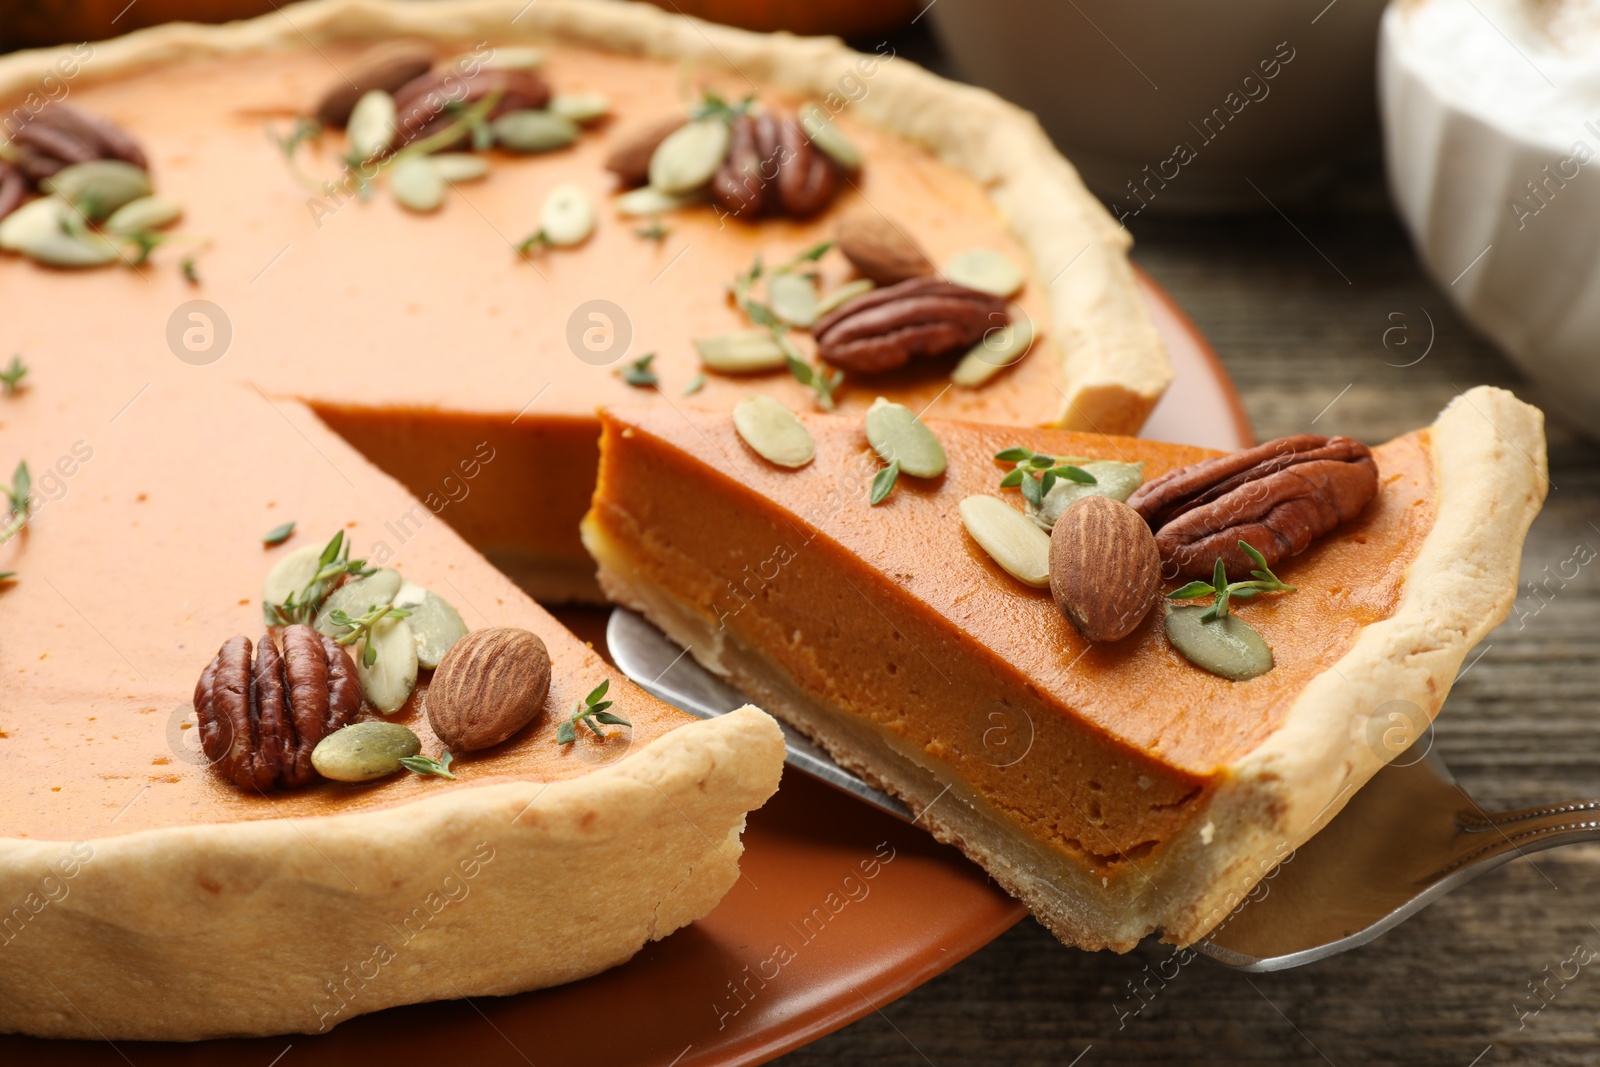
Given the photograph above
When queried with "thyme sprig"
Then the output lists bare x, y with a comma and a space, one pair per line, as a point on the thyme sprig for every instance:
1224, 590
654, 230
361, 627
11, 377
333, 564
589, 711
714, 105
17, 494
822, 381
1036, 472
426, 765
639, 374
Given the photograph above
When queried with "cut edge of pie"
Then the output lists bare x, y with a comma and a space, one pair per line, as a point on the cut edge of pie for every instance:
1114, 367
503, 888
1488, 461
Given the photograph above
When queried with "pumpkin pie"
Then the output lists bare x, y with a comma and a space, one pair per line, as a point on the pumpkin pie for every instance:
1114, 787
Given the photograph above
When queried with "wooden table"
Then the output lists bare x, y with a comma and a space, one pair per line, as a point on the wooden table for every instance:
1522, 726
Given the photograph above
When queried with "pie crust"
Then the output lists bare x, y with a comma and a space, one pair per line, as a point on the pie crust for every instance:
1255, 798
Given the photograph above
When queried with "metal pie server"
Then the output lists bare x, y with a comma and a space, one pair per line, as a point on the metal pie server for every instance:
1407, 838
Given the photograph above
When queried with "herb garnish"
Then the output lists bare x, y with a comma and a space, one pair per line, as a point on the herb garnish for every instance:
714, 105
303, 606
639, 374
883, 482
590, 710
1036, 472
278, 534
653, 230
1223, 590
356, 629
697, 383
821, 381
426, 765
17, 493
186, 266
11, 378
145, 242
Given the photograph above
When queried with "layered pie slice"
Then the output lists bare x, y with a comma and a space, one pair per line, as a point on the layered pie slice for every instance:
148, 895
419, 326
921, 625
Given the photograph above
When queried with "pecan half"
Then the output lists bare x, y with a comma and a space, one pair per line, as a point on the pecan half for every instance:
423, 106
806, 181
259, 724
741, 184
59, 135
890, 326
1277, 497
13, 187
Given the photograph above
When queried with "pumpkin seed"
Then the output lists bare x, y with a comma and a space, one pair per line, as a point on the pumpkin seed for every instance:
416, 184
522, 58
68, 248
647, 200
567, 217
435, 624
1019, 546
99, 187
985, 270
844, 294
689, 156
997, 351
740, 352
145, 213
364, 751
389, 679
793, 298
290, 574
31, 219
372, 125
459, 166
774, 431
356, 598
533, 131
1112, 479
1228, 646
582, 108
826, 136
898, 435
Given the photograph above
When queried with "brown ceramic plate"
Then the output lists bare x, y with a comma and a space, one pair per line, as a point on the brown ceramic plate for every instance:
841, 909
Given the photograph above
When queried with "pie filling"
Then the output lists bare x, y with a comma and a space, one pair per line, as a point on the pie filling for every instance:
892, 618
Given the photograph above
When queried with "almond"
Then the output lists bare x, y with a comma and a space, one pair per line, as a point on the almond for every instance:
489, 685
629, 157
1105, 570
387, 66
880, 250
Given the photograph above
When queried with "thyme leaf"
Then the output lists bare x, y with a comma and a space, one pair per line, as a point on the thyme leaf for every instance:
590, 711
426, 765
278, 534
11, 378
1226, 591
639, 374
17, 494
883, 483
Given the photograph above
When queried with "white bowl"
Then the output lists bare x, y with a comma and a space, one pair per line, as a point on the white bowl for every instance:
1491, 131
1272, 93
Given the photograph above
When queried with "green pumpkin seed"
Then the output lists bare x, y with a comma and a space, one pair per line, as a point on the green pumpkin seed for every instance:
68, 250
1228, 646
793, 298
997, 351
356, 598
826, 136
567, 217
533, 131
416, 184
459, 166
290, 574
1112, 479
774, 431
143, 214
389, 679
435, 624
898, 435
99, 187
582, 108
689, 156
371, 128
987, 271
647, 200
27, 222
741, 352
1014, 542
48, 231
844, 294
364, 751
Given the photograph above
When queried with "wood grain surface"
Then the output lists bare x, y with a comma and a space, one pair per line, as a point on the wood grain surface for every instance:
1300, 320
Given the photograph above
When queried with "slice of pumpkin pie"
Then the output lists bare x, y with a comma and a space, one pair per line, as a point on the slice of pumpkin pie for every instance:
1127, 678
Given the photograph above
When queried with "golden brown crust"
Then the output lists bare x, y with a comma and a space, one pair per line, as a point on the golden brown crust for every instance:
1113, 366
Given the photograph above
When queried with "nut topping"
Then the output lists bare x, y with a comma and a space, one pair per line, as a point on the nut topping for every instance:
1105, 572
629, 158
259, 725
1277, 497
385, 67
489, 685
880, 250
889, 327
421, 108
